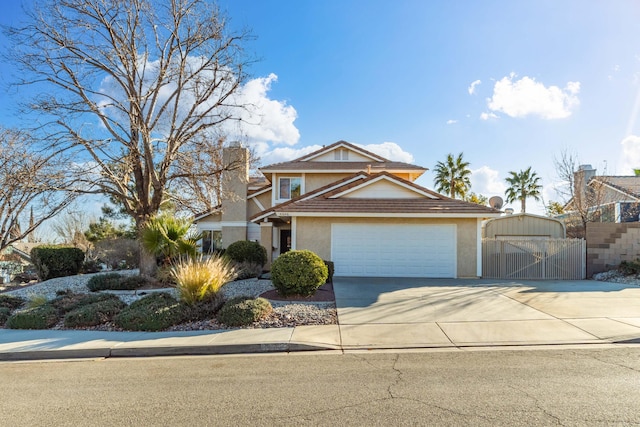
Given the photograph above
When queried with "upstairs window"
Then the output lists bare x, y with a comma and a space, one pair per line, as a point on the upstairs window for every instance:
290, 188
341, 154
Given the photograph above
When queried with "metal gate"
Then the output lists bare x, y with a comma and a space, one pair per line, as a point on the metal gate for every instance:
560, 259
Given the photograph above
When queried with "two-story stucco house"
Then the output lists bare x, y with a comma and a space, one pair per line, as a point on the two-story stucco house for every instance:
353, 207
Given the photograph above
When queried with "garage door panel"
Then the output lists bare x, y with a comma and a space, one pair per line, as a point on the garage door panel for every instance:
399, 250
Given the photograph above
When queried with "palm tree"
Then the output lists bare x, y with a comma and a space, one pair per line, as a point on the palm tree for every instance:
169, 237
452, 176
523, 184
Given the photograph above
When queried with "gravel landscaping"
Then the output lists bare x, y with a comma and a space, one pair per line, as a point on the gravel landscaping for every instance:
285, 314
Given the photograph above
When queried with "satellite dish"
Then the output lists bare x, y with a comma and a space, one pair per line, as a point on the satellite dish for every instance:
496, 202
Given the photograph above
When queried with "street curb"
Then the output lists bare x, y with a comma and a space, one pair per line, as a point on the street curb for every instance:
197, 350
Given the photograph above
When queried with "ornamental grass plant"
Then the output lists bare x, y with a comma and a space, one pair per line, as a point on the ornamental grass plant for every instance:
201, 279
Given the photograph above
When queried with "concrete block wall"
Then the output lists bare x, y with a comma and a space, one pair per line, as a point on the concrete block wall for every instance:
608, 244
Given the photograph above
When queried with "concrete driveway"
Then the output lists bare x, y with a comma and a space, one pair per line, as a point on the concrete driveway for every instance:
408, 313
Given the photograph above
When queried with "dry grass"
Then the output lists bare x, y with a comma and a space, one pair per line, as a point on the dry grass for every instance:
202, 278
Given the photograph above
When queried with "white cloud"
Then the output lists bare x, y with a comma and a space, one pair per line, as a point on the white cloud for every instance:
389, 150
487, 116
262, 119
283, 154
472, 87
524, 97
630, 157
451, 122
266, 119
486, 181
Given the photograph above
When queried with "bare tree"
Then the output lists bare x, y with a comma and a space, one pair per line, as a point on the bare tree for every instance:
193, 194
583, 200
129, 87
70, 227
30, 187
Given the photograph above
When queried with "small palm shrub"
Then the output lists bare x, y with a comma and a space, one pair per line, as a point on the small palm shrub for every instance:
42, 317
155, 312
11, 302
298, 272
93, 314
201, 279
243, 311
169, 237
247, 251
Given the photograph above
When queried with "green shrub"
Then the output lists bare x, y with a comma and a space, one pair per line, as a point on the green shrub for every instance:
206, 309
248, 270
330, 270
11, 302
629, 268
101, 282
243, 311
93, 314
43, 317
116, 282
5, 312
247, 251
298, 272
201, 279
155, 312
71, 301
91, 266
56, 261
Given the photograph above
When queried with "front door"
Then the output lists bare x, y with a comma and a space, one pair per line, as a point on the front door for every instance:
285, 241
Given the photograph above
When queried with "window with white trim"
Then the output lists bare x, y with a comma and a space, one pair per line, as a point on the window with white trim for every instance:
289, 188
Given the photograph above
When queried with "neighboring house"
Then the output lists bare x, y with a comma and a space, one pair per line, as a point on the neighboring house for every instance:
353, 207
603, 198
14, 259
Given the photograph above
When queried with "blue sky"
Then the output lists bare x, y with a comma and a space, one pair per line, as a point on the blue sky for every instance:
510, 84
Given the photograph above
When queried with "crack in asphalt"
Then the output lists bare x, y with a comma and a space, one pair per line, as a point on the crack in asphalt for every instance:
392, 396
538, 405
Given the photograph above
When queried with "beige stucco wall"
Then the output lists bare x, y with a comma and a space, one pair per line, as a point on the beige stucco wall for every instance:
266, 240
234, 184
315, 234
313, 181
233, 234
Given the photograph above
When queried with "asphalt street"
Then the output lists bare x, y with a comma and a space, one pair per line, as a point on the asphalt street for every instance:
581, 386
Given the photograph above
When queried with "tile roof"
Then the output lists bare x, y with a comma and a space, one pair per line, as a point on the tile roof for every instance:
626, 184
303, 163
341, 165
320, 202
341, 143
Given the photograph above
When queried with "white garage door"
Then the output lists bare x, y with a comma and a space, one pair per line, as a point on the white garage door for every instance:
394, 250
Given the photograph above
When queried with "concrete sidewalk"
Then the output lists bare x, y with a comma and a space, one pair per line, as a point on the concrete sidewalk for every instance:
65, 344
387, 314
